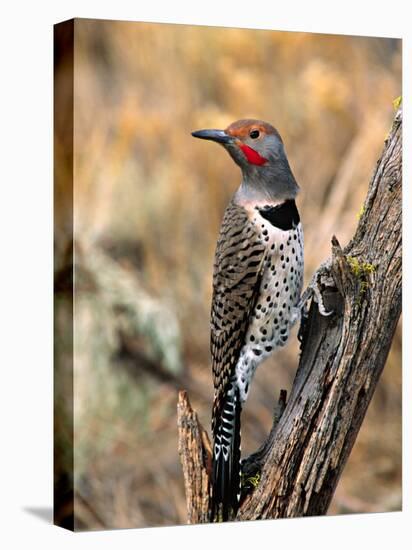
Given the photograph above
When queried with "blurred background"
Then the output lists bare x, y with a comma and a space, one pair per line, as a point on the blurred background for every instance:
148, 201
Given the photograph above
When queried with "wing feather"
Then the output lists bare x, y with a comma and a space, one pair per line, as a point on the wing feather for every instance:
239, 260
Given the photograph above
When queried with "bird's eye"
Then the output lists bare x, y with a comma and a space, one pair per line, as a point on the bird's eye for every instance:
254, 134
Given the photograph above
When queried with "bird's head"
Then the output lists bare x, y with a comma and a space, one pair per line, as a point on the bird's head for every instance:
249, 142
257, 148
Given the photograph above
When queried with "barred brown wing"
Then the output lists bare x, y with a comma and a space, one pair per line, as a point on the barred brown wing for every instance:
239, 259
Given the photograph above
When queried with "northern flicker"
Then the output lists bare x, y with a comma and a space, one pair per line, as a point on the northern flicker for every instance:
257, 282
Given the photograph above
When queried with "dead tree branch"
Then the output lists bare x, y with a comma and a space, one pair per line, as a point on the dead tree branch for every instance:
342, 359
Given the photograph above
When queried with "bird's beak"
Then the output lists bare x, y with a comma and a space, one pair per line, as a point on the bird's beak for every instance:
220, 136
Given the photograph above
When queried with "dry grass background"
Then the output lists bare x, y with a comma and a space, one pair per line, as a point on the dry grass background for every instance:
148, 203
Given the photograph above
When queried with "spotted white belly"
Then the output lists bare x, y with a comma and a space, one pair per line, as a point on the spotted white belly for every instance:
275, 311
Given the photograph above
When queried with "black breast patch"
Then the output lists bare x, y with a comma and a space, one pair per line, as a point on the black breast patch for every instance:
284, 216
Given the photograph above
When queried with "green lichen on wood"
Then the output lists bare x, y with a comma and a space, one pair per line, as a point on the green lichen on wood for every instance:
361, 212
362, 272
250, 481
358, 268
396, 102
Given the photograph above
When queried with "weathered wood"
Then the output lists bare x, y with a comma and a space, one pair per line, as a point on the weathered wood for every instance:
196, 457
341, 361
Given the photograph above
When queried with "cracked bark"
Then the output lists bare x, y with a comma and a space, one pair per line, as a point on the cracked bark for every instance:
340, 364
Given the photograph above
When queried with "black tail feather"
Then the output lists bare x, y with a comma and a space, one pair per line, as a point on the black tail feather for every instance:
226, 458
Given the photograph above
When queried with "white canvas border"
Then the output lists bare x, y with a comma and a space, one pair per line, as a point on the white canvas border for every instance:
26, 351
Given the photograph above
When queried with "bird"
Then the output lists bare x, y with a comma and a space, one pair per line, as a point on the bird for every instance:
257, 283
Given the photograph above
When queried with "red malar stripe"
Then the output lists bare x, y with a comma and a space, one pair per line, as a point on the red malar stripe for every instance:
253, 156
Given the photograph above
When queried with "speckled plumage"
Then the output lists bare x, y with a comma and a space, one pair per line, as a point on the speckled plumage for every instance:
275, 310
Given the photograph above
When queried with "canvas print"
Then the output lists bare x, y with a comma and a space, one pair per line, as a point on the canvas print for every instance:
228, 274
